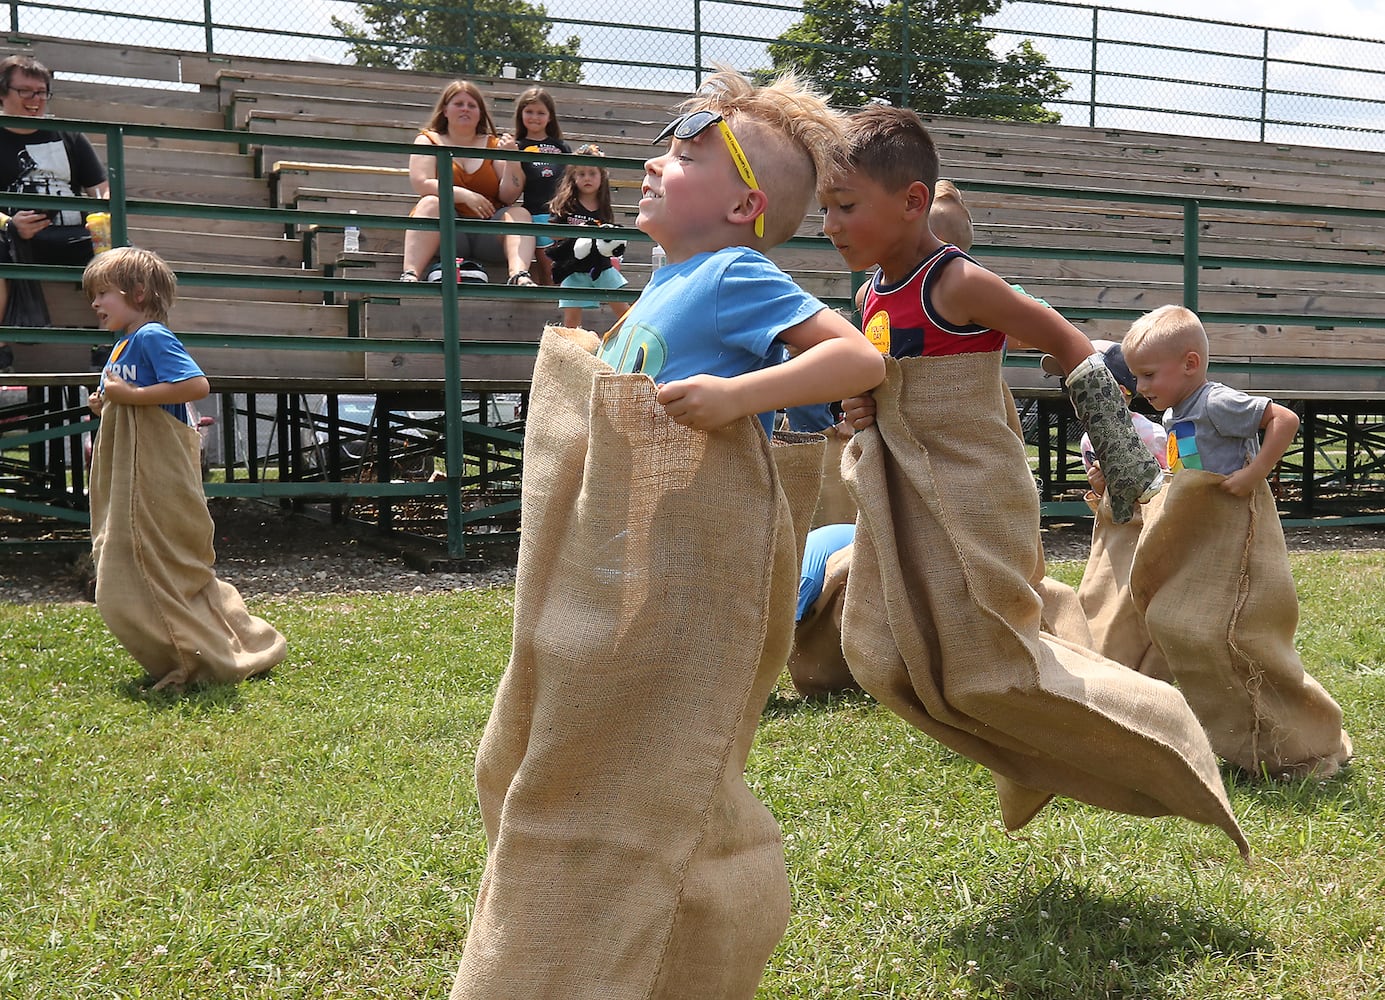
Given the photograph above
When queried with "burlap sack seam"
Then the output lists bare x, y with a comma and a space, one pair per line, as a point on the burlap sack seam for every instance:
1254, 677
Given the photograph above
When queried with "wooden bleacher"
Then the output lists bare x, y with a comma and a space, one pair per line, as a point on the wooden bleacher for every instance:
267, 96
264, 98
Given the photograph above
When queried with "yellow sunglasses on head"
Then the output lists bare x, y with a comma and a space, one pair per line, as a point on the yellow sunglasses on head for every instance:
691, 125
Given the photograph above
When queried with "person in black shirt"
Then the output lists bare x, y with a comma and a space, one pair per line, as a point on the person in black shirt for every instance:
40, 161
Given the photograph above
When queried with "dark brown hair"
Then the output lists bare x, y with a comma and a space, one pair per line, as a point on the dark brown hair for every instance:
23, 64
536, 95
892, 147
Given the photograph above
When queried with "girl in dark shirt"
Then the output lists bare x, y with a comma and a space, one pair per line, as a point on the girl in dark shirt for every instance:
536, 125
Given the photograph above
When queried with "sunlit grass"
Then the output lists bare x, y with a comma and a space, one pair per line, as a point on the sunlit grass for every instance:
315, 833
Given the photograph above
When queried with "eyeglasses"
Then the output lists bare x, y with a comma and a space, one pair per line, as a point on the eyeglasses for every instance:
29, 93
691, 125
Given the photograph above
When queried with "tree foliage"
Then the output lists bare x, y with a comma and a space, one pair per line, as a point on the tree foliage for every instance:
851, 49
470, 37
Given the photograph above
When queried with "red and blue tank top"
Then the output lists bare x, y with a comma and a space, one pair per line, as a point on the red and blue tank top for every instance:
900, 319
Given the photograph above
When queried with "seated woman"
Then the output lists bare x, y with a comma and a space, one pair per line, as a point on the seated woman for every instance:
481, 189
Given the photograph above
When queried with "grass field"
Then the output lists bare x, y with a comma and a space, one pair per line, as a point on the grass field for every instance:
315, 833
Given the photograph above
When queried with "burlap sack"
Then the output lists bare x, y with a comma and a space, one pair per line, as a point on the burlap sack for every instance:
817, 665
654, 603
1211, 576
835, 505
151, 543
1117, 626
798, 459
941, 623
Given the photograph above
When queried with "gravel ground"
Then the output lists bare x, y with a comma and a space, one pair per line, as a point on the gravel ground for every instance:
264, 551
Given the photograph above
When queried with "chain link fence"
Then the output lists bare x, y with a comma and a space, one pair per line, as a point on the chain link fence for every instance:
1112, 68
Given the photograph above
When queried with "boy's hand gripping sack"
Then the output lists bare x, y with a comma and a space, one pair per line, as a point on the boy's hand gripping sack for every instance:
1132, 474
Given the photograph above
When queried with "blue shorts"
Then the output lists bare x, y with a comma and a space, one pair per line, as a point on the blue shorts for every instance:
542, 241
609, 278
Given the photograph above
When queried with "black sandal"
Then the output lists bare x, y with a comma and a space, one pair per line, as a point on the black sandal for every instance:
522, 279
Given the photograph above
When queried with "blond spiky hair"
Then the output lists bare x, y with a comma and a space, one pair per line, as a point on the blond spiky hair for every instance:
790, 135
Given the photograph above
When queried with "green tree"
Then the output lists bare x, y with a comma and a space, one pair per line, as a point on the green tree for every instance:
478, 37
852, 49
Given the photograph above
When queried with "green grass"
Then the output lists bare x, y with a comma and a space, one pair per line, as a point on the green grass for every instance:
315, 833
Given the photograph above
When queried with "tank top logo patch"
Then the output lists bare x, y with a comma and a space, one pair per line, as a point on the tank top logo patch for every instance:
877, 331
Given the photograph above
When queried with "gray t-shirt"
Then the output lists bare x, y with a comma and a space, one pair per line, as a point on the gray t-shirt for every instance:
1217, 428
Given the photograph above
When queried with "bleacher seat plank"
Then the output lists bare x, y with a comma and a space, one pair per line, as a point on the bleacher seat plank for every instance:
483, 319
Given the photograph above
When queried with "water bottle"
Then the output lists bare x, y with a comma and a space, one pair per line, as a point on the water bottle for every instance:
351, 238
657, 258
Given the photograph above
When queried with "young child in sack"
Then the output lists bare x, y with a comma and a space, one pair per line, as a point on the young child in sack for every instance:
150, 530
1211, 572
941, 622
627, 857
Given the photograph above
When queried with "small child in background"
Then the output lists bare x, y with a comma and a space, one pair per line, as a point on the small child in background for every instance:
1211, 572
151, 532
584, 199
1210, 425
537, 131
1117, 628
1155, 438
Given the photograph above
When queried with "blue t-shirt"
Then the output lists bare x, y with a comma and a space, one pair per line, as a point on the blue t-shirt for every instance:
823, 543
713, 314
150, 355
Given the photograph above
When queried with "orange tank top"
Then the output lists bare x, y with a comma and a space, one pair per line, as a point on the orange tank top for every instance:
483, 180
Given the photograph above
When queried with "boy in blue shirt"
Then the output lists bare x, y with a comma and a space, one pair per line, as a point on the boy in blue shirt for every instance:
711, 325
627, 855
151, 533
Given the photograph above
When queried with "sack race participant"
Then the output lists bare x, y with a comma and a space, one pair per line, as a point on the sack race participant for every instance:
627, 857
1211, 572
941, 624
1117, 629
817, 666
151, 534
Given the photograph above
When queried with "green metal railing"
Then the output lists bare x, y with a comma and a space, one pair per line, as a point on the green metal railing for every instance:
449, 294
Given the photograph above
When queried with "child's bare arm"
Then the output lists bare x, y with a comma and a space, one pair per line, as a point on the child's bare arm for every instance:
1280, 424
160, 393
833, 361
967, 293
